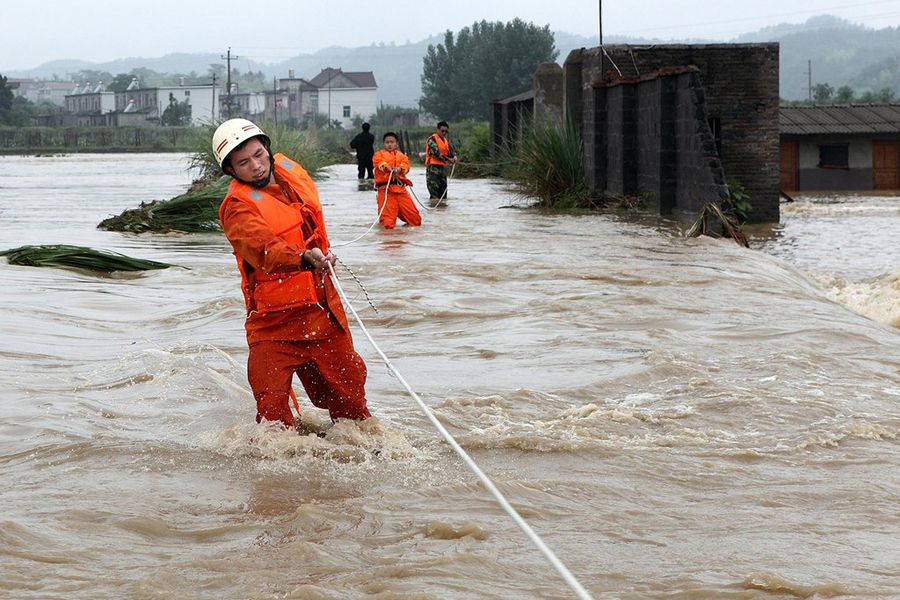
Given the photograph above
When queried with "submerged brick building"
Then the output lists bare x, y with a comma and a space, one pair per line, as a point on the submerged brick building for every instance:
671, 123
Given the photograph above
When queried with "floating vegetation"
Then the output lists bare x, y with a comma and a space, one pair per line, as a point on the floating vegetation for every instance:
81, 257
712, 221
195, 211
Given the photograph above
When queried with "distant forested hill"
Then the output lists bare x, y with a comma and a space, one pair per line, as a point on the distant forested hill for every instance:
841, 53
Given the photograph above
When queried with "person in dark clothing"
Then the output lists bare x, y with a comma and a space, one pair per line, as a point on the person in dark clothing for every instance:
364, 144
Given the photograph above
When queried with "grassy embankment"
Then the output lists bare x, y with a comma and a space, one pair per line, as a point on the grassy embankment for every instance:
66, 140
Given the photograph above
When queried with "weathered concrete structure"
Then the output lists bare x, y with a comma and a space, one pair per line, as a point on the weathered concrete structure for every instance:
650, 137
670, 123
651, 128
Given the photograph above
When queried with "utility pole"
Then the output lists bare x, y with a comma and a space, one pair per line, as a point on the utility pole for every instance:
809, 73
228, 57
600, 31
275, 98
214, 97
600, 13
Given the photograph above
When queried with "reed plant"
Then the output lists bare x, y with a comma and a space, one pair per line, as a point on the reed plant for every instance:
314, 149
547, 163
195, 211
81, 257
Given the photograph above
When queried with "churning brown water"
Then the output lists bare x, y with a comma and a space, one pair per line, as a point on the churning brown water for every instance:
675, 417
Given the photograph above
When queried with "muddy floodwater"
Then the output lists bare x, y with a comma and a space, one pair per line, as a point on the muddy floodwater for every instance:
675, 417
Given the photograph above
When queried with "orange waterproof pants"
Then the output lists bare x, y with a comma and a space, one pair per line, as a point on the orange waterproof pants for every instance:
399, 204
332, 373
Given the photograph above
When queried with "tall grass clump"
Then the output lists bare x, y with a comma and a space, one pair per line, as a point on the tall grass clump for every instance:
313, 149
547, 163
81, 257
195, 211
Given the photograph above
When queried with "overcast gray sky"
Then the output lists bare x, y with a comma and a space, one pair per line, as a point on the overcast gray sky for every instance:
273, 30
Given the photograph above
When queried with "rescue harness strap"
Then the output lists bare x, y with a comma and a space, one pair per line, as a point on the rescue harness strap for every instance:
523, 525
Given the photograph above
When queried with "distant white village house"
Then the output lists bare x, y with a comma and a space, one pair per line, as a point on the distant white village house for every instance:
343, 96
36, 91
89, 105
333, 94
135, 106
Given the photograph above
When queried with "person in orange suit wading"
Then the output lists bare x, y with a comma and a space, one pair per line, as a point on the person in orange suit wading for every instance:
391, 167
295, 320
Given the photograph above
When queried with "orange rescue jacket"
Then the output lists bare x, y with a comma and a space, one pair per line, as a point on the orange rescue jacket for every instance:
384, 160
443, 145
299, 222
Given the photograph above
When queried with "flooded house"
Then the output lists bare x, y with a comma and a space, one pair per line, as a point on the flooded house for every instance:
840, 147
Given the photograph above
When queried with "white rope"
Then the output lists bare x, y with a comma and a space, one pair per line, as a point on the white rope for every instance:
443, 196
377, 217
523, 525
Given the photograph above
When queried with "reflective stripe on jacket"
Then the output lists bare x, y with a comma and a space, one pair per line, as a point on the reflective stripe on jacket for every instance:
298, 221
443, 145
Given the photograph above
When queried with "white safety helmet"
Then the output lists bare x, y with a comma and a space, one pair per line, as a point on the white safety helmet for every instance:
231, 134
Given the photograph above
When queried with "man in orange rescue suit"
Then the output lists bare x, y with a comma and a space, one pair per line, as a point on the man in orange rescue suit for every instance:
391, 166
438, 152
295, 321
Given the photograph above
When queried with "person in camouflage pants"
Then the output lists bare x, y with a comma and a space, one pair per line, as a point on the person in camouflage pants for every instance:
438, 153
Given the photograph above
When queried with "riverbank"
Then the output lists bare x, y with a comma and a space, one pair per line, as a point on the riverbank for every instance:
30, 141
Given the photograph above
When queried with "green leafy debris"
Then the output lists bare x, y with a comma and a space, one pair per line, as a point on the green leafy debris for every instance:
195, 211
62, 255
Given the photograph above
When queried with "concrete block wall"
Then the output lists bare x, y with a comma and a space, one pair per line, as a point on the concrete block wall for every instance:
548, 93
701, 178
738, 86
650, 137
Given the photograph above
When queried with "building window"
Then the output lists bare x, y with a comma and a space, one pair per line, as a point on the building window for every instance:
834, 156
346, 111
187, 93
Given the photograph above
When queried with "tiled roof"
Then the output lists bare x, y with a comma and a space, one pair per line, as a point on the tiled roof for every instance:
852, 118
526, 95
361, 79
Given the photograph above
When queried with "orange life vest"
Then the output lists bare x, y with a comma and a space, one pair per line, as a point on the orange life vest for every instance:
383, 161
300, 222
443, 147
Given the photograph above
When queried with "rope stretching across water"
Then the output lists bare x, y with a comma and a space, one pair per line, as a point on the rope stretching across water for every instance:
443, 196
377, 217
523, 525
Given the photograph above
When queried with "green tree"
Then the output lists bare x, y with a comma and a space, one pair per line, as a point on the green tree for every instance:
488, 60
822, 93
844, 95
6, 95
119, 83
882, 96
385, 115
177, 113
